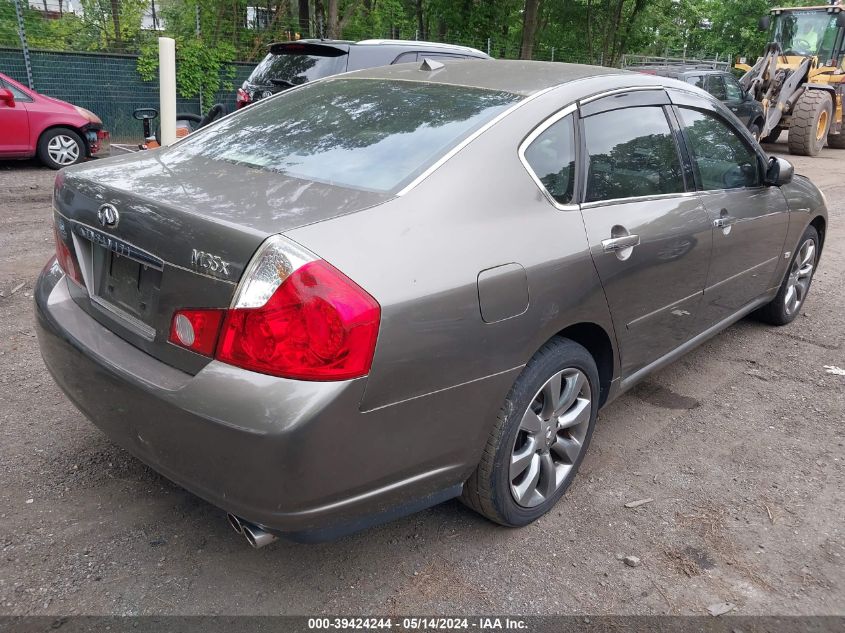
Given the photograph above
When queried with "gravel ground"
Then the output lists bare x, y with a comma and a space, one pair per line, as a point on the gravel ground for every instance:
740, 444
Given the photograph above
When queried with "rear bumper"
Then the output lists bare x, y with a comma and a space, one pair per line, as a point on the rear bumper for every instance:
298, 458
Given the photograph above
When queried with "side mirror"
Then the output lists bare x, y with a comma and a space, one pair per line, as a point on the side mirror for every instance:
764, 23
7, 97
779, 172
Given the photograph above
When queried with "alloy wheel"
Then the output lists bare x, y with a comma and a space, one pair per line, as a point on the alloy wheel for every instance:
551, 437
63, 150
800, 275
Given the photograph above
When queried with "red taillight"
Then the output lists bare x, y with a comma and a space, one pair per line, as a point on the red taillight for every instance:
317, 325
67, 260
196, 330
242, 98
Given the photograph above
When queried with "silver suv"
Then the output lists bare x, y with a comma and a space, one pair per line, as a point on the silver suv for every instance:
291, 64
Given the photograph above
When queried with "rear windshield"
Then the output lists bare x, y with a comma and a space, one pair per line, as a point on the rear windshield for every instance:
288, 68
369, 134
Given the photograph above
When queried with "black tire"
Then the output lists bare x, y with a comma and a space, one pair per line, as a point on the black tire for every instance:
773, 136
776, 312
61, 135
807, 135
836, 141
488, 490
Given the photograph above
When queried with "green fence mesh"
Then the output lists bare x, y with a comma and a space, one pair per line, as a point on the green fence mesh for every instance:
107, 84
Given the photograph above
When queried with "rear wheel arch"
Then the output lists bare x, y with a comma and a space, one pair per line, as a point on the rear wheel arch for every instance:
820, 225
595, 339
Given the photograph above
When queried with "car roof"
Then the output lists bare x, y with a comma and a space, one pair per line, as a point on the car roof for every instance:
516, 76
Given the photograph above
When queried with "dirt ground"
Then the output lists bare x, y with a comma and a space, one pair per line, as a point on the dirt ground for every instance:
740, 444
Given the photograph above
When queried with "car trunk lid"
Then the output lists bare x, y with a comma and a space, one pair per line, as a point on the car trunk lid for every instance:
154, 235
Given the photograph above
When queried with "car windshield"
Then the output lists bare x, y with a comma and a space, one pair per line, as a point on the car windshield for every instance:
369, 134
806, 33
288, 68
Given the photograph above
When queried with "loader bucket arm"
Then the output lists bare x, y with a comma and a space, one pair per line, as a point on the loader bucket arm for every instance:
792, 87
762, 72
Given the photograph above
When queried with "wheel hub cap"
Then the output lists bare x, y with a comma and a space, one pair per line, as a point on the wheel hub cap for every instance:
63, 149
551, 437
800, 276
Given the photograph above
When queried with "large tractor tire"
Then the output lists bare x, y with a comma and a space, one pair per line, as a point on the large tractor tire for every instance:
811, 118
773, 136
836, 141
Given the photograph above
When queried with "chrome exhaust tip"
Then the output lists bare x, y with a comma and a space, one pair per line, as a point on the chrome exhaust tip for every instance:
235, 522
256, 536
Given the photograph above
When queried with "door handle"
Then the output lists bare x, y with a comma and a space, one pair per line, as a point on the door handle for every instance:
721, 223
620, 243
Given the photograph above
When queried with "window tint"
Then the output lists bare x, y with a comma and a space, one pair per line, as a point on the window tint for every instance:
404, 58
720, 156
370, 134
716, 87
552, 158
732, 89
632, 153
696, 80
288, 68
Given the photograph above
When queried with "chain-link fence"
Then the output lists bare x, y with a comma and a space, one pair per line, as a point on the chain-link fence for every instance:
105, 83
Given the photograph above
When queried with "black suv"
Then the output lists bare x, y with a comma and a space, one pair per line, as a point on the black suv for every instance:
722, 85
290, 64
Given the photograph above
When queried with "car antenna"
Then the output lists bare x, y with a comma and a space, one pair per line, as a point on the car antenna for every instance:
430, 64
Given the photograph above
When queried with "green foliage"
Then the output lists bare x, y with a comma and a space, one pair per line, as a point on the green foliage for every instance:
211, 33
200, 69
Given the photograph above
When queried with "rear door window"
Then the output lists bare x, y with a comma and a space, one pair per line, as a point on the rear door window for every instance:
404, 58
370, 134
632, 152
551, 157
716, 87
696, 80
293, 65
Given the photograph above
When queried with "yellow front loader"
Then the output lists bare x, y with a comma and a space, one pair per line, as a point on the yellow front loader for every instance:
800, 79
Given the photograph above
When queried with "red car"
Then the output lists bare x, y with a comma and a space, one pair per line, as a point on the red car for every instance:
59, 133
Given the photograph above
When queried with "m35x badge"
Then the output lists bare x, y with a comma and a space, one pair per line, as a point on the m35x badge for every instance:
209, 262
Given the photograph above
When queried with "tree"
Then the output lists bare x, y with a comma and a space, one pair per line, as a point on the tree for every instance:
115, 16
304, 18
529, 28
336, 23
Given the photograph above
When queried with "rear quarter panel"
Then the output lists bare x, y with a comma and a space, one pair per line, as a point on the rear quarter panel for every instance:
805, 203
420, 256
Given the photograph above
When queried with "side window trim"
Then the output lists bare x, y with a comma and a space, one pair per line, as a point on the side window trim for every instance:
584, 160
684, 153
571, 109
740, 133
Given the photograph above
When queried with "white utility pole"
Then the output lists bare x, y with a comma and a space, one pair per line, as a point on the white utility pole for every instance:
167, 89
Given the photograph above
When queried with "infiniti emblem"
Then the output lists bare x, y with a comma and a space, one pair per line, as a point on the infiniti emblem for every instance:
108, 215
